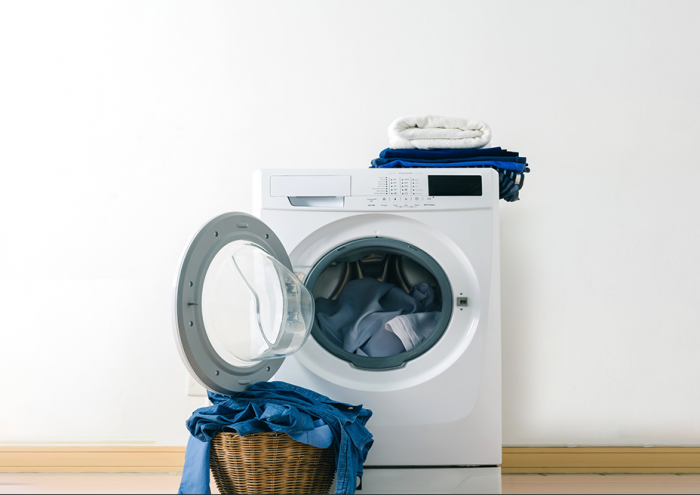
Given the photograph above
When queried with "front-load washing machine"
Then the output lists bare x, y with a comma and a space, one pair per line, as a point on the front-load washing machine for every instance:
244, 301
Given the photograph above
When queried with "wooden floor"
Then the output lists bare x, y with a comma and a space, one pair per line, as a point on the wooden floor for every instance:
90, 483
599, 483
512, 483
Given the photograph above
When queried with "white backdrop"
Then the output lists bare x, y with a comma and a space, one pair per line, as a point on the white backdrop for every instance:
125, 125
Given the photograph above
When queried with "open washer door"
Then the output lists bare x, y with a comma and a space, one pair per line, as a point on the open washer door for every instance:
238, 308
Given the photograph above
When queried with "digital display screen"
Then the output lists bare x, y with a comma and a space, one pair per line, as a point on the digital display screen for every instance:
454, 185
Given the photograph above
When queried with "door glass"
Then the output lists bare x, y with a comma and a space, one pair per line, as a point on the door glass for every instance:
254, 308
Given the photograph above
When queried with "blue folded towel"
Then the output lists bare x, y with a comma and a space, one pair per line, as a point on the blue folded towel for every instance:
378, 162
439, 154
514, 166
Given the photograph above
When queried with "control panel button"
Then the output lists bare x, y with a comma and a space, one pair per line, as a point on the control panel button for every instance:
404, 183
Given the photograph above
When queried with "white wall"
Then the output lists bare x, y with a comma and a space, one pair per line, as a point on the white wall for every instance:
125, 125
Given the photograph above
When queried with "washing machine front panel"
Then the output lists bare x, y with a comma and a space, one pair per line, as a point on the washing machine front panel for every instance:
239, 309
447, 393
443, 407
463, 323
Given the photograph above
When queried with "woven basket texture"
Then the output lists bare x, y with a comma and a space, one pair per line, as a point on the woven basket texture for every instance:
270, 463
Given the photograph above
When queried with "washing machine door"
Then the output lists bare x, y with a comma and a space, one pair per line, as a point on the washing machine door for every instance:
238, 308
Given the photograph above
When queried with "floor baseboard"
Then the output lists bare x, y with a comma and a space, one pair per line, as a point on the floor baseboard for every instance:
516, 460
88, 459
601, 460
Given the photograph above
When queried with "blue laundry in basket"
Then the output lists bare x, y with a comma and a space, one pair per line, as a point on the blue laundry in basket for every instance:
306, 416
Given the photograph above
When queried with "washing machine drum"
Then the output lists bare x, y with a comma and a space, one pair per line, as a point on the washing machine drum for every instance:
239, 309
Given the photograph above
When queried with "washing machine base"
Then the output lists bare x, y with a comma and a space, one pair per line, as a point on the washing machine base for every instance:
430, 480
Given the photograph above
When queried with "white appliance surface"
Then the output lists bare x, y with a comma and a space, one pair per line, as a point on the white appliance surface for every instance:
431, 480
444, 407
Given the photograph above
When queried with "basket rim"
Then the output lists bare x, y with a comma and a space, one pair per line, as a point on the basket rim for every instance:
282, 437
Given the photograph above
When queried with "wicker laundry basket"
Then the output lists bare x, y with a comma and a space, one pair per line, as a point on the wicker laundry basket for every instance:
270, 463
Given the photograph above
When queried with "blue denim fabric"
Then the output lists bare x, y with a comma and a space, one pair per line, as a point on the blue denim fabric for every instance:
438, 154
378, 162
195, 475
510, 184
304, 415
514, 166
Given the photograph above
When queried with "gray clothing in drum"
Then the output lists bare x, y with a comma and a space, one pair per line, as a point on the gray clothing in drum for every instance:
357, 321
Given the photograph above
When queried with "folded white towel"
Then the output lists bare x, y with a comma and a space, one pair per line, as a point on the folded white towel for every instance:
430, 131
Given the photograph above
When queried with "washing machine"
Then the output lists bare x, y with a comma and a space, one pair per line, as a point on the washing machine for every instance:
244, 303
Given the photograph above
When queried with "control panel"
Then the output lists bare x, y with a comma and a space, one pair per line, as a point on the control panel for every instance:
411, 189
379, 189
393, 191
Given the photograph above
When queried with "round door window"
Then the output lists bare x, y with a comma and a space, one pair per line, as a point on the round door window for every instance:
379, 302
253, 307
239, 309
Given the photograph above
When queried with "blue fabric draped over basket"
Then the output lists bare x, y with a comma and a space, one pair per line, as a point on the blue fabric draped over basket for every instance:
305, 416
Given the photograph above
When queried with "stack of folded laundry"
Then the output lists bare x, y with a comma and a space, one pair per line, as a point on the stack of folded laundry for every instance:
432, 141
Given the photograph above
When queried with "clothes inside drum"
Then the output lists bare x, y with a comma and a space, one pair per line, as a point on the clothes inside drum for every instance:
377, 306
